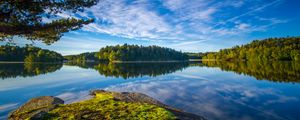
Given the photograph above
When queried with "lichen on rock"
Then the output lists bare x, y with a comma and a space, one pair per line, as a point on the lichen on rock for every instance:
104, 106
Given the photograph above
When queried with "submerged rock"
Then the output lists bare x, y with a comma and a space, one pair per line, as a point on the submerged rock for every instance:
35, 108
105, 105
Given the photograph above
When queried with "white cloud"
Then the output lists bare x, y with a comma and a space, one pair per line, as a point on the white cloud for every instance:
184, 21
131, 21
135, 20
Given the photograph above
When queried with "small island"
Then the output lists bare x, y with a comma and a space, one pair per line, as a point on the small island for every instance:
127, 53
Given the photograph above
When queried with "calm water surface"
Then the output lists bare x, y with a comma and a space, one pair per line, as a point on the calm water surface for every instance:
215, 90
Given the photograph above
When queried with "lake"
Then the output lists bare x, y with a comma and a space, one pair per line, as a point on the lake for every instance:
215, 90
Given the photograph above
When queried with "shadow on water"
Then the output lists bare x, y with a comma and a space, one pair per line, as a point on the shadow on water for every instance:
276, 71
133, 70
26, 69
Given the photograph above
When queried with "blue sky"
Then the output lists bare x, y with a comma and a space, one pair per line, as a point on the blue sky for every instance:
187, 25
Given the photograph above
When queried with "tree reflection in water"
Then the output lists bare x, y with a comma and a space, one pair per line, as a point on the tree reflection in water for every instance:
134, 70
13, 70
276, 71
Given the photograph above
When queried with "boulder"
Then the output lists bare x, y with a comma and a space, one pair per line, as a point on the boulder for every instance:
35, 108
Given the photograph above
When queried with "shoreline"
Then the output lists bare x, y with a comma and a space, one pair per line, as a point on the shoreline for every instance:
168, 61
12, 62
147, 61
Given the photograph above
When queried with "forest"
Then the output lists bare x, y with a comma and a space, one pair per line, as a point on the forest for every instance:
28, 54
139, 53
287, 48
130, 53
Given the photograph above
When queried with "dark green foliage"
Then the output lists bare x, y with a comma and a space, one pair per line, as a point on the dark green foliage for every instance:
277, 71
268, 49
84, 57
26, 69
195, 55
139, 53
24, 18
28, 54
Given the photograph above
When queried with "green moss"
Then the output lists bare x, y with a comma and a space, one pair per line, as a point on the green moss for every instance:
103, 106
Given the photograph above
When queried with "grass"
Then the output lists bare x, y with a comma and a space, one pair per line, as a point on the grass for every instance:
104, 107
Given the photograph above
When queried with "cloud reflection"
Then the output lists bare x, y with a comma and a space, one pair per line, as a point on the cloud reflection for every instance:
8, 106
70, 97
231, 100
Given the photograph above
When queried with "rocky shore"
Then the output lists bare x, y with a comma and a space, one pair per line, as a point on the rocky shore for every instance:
105, 105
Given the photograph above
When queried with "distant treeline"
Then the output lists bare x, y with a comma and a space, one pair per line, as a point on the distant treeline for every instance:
83, 57
139, 53
131, 53
28, 54
267, 49
195, 55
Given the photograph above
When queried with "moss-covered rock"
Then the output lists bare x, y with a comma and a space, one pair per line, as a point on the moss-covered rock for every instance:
142, 98
36, 107
104, 106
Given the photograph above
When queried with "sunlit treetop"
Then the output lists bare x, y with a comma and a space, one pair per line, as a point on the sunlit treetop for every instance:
24, 18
